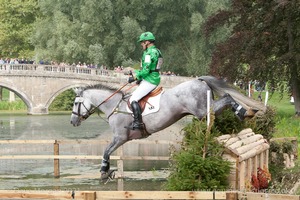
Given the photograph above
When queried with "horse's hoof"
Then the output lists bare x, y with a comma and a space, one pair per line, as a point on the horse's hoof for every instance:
250, 113
108, 176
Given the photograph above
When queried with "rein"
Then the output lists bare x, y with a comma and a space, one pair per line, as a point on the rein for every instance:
94, 109
115, 110
90, 112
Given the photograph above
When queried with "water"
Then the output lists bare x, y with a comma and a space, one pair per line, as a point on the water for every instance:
32, 127
75, 174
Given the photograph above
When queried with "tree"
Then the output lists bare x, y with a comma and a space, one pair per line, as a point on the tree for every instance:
17, 18
106, 32
264, 44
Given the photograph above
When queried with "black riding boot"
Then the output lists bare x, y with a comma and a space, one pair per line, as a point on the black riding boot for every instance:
137, 117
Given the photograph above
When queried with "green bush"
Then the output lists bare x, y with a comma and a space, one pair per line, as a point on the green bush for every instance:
264, 124
199, 164
14, 105
228, 123
63, 102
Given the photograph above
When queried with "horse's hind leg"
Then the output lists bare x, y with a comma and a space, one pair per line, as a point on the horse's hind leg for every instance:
227, 101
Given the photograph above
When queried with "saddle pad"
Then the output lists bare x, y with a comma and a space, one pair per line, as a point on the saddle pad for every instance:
151, 106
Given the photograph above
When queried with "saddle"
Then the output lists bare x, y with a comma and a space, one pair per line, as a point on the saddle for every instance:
144, 100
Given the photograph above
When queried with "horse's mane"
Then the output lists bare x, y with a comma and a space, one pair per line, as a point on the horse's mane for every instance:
102, 87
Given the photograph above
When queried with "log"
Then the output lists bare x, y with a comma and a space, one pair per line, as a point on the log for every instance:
253, 152
247, 135
243, 149
245, 131
231, 141
223, 138
246, 141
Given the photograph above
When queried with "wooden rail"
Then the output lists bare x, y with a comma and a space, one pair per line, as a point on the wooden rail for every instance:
93, 195
96, 195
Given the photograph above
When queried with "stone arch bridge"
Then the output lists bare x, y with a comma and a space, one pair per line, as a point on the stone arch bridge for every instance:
38, 85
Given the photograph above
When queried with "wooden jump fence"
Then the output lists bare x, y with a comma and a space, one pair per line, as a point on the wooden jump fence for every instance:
97, 195
56, 157
120, 157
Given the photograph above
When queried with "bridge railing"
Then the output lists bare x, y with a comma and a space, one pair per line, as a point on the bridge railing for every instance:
22, 67
55, 69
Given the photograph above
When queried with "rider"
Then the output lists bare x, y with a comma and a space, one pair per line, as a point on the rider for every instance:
147, 78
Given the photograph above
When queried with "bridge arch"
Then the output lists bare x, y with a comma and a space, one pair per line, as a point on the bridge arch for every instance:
19, 93
51, 99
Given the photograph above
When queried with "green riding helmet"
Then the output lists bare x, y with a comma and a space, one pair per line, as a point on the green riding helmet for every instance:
146, 36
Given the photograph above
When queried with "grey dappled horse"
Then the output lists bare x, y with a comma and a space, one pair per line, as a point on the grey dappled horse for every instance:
188, 98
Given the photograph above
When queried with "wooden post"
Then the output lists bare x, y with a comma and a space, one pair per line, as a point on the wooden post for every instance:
231, 195
249, 168
261, 160
267, 159
89, 195
120, 164
242, 175
237, 175
56, 161
255, 165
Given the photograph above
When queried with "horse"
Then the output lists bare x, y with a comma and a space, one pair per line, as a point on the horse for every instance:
187, 98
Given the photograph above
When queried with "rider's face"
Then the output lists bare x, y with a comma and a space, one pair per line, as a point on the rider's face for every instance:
144, 44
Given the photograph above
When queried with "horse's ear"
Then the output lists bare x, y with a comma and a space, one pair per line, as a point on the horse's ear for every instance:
77, 90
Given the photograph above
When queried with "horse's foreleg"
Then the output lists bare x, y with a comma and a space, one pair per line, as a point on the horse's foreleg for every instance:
220, 104
227, 101
105, 164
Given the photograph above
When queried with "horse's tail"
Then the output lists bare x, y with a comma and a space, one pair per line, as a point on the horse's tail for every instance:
220, 87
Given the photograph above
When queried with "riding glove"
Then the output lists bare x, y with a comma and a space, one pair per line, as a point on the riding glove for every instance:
131, 79
138, 82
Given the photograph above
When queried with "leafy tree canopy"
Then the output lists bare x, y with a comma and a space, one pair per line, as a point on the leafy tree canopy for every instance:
105, 32
17, 18
264, 43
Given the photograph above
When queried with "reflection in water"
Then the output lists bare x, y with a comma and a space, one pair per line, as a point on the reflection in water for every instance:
50, 127
21, 173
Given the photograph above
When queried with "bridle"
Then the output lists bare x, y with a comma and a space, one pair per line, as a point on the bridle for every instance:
90, 112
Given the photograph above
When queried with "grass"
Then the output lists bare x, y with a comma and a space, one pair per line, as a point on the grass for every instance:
5, 105
287, 125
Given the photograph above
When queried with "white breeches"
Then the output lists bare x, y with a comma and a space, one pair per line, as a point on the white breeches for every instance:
143, 89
